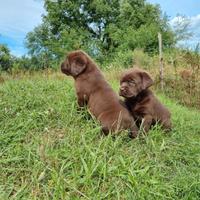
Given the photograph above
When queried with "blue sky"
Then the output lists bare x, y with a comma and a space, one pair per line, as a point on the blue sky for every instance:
188, 8
18, 17
173, 7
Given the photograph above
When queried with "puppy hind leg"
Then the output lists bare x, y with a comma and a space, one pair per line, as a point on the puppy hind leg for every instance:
105, 130
147, 121
167, 126
133, 133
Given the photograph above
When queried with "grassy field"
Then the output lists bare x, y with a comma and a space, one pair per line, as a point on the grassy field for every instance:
49, 149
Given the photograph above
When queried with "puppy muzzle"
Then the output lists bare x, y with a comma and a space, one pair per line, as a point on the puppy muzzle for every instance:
64, 69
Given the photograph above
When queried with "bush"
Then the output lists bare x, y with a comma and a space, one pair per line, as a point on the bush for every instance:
142, 59
123, 59
5, 58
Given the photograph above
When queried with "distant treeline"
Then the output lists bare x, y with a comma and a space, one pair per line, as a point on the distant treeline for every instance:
107, 30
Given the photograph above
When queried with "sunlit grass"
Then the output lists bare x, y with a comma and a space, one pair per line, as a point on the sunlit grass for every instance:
50, 149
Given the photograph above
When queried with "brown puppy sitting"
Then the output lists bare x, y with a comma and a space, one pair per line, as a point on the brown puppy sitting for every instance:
145, 107
93, 90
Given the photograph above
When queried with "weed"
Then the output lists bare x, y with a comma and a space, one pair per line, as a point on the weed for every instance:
52, 150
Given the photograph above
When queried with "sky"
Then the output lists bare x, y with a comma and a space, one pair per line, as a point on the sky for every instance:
188, 8
18, 17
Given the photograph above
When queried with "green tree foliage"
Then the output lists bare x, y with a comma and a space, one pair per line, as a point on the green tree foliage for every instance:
5, 58
101, 27
40, 42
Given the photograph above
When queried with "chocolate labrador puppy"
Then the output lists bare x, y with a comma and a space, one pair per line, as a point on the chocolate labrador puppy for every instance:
144, 106
93, 90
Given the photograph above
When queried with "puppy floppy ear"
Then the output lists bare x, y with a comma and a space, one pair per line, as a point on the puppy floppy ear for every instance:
78, 64
146, 80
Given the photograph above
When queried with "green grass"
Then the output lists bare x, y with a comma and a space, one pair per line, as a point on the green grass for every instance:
49, 149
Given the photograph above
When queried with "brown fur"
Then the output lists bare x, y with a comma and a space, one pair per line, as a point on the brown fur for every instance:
140, 100
93, 90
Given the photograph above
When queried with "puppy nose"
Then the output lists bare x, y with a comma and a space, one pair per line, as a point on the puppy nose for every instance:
122, 88
64, 69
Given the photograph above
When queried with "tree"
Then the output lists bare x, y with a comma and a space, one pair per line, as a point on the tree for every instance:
5, 58
181, 26
101, 27
39, 42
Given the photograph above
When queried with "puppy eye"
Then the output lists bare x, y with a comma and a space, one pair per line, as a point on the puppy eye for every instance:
131, 82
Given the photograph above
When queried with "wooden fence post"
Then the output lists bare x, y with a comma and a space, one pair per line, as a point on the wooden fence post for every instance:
161, 60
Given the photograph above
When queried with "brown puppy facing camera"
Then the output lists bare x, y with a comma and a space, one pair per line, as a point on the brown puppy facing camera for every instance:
144, 106
93, 90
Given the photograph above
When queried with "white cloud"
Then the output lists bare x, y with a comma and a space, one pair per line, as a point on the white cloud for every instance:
17, 18
194, 28
195, 21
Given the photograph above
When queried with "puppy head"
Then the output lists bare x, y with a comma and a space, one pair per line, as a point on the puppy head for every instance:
133, 82
75, 63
